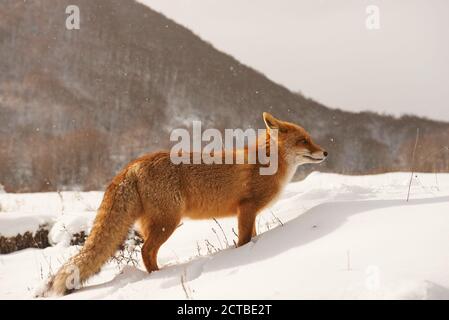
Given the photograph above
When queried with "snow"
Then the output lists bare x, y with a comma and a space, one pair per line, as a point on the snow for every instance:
328, 237
68, 225
23, 212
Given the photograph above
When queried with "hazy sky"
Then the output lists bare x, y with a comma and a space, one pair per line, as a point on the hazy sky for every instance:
324, 49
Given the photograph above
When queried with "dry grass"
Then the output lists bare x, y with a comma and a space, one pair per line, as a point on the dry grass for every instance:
38, 239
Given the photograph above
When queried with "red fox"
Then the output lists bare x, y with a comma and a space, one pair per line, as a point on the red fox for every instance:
157, 194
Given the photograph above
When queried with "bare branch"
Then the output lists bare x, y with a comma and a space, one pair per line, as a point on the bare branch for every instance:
413, 164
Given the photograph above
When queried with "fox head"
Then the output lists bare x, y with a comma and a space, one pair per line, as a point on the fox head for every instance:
297, 145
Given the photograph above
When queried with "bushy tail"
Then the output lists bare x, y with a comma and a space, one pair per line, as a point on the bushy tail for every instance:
118, 211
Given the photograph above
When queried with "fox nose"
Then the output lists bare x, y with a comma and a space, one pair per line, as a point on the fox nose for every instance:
325, 153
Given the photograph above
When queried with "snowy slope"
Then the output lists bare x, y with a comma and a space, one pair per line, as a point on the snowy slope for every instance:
329, 236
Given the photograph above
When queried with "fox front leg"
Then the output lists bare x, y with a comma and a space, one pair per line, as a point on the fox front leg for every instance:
246, 223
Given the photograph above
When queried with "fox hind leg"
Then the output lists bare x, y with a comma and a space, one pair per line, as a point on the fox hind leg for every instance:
156, 232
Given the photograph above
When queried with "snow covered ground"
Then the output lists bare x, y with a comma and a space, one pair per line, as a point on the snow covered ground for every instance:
329, 236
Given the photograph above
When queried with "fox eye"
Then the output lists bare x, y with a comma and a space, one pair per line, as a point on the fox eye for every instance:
304, 141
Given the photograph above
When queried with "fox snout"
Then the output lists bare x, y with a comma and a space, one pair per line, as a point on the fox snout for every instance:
315, 153
316, 156
320, 154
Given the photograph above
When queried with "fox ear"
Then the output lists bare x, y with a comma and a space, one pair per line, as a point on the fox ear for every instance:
271, 122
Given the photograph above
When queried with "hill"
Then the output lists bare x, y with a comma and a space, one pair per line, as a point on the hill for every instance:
76, 105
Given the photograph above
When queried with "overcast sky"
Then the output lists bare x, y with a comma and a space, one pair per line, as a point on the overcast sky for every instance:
324, 49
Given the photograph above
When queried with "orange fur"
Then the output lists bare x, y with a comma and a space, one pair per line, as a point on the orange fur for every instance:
158, 194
